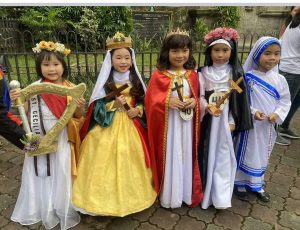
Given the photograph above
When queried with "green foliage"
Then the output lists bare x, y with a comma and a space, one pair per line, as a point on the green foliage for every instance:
43, 21
113, 19
87, 28
227, 16
11, 12
200, 29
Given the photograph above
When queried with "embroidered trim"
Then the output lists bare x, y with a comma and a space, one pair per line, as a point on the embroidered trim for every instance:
166, 128
269, 89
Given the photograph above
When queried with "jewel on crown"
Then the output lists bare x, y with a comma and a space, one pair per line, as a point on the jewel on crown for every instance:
178, 31
118, 41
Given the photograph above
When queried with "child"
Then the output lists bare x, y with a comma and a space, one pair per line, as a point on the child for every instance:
114, 173
172, 139
217, 161
45, 193
270, 104
10, 125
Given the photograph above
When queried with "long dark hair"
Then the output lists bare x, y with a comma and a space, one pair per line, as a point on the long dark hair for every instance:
174, 42
47, 55
137, 90
296, 20
289, 18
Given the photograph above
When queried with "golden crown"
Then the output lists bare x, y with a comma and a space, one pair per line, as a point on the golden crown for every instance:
178, 31
118, 41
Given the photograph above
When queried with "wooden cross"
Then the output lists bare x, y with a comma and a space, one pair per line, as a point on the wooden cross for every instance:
177, 88
215, 109
116, 92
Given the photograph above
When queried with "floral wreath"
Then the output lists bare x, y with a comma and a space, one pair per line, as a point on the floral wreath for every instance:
221, 33
51, 46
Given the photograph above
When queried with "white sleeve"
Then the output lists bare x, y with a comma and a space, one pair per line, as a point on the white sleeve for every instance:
284, 104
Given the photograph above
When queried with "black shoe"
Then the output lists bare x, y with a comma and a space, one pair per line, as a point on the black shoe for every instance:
241, 195
263, 196
282, 141
288, 133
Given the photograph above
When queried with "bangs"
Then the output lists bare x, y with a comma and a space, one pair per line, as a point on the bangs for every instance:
179, 41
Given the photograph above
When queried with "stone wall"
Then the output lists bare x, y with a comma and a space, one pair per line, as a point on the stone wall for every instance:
254, 19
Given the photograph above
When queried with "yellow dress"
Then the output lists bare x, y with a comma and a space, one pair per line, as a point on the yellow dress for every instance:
112, 175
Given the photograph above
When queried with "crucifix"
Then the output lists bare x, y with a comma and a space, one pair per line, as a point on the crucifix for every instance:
217, 107
116, 92
185, 114
177, 88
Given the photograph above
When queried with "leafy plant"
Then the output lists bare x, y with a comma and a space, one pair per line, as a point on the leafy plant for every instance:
227, 16
113, 19
200, 29
87, 28
43, 20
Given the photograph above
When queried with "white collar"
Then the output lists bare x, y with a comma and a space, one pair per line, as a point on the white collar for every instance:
121, 78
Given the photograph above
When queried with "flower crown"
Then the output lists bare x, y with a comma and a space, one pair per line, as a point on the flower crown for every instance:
51, 46
178, 31
118, 41
221, 33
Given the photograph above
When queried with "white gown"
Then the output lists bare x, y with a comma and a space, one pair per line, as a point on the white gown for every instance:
47, 198
221, 165
255, 145
177, 183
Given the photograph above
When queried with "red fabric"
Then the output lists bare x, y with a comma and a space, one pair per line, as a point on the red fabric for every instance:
149, 159
56, 103
159, 90
14, 118
85, 126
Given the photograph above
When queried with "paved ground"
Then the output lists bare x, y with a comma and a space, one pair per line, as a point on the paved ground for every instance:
283, 212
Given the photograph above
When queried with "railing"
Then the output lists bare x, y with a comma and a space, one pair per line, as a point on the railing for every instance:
85, 61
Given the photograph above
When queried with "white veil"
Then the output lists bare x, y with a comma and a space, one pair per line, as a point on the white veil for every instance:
98, 91
258, 48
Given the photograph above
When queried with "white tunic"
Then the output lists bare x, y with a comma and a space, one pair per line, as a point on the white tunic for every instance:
177, 183
221, 165
47, 198
269, 93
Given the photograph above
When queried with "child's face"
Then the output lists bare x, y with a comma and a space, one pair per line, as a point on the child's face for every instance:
178, 57
269, 58
121, 60
220, 53
52, 69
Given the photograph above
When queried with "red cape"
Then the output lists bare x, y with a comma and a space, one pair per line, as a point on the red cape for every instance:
156, 103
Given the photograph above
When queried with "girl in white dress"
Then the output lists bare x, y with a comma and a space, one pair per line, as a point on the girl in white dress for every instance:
270, 104
173, 138
46, 179
217, 161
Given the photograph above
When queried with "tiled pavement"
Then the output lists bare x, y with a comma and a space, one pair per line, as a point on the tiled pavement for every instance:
283, 212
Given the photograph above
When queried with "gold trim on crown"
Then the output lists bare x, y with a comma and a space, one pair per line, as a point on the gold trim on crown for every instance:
118, 41
178, 31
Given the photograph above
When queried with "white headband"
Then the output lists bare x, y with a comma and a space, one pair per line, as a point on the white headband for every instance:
220, 41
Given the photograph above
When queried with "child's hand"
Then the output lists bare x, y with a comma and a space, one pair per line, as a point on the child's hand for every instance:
212, 110
15, 93
190, 103
272, 118
120, 101
79, 112
232, 127
133, 112
175, 103
259, 116
80, 103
